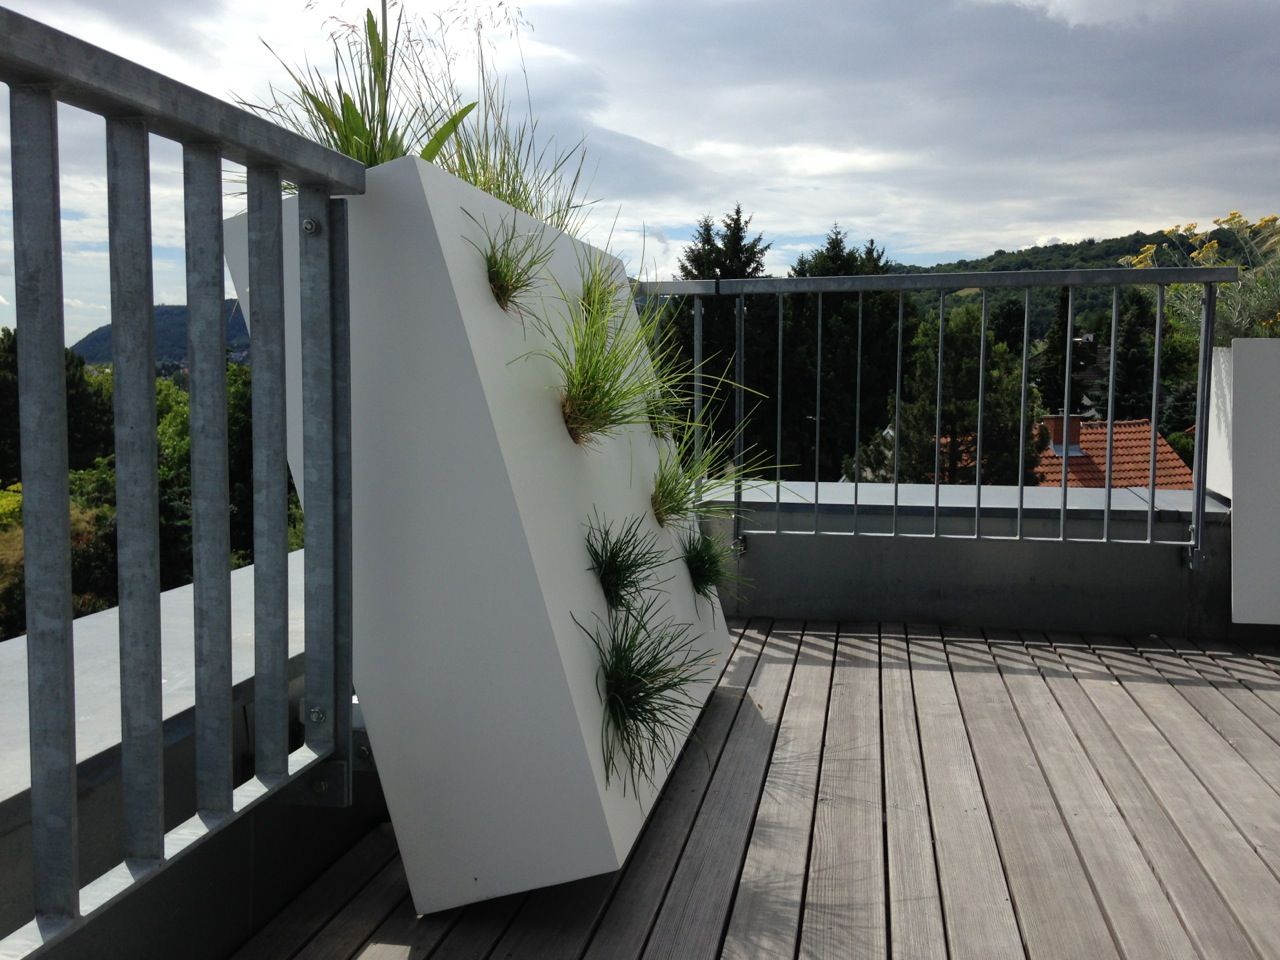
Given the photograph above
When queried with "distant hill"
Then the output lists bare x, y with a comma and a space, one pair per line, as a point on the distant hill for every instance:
1084, 255
171, 336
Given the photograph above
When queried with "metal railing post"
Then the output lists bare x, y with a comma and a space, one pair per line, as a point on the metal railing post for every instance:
210, 486
1204, 384
133, 356
318, 464
46, 513
270, 475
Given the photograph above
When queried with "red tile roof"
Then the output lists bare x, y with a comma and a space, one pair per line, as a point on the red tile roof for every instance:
1130, 459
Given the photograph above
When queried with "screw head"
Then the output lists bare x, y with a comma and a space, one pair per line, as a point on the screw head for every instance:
320, 786
316, 715
310, 226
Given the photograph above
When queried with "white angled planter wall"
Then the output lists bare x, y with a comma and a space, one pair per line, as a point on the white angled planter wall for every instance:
470, 505
1255, 460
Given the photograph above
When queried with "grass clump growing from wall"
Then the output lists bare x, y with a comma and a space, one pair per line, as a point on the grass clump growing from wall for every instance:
607, 377
710, 562
514, 262
623, 559
647, 669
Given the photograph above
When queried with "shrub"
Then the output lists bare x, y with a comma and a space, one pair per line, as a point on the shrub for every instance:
710, 562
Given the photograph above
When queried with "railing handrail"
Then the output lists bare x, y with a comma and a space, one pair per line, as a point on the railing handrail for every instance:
91, 78
1008, 279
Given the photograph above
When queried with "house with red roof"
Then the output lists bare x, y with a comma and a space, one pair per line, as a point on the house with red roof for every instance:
1086, 452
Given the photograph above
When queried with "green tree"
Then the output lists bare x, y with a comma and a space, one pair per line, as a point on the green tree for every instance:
724, 253
1001, 442
89, 414
855, 397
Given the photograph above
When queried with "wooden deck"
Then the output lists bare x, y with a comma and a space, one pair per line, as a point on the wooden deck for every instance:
881, 791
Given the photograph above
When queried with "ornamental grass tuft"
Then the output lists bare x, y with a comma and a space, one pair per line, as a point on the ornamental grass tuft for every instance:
710, 562
624, 560
602, 354
514, 262
648, 668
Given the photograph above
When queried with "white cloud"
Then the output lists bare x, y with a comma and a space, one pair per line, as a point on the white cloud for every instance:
1100, 12
3, 302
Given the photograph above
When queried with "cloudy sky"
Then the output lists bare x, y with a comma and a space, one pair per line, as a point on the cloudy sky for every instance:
942, 128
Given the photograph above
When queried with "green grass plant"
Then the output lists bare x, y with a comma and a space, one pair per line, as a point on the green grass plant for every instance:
648, 668
710, 562
625, 559
368, 108
501, 152
514, 262
602, 354
692, 461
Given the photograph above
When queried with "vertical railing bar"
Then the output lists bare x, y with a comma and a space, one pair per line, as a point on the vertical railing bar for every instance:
937, 426
857, 419
210, 492
1066, 409
697, 379
339, 275
777, 442
1111, 414
133, 358
46, 509
318, 464
740, 367
982, 391
817, 422
897, 413
1022, 409
1155, 414
270, 474
1204, 383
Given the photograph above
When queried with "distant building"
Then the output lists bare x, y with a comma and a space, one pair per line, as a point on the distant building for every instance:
1086, 450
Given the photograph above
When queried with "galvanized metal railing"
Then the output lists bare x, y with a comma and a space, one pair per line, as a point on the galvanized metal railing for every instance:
43, 67
703, 292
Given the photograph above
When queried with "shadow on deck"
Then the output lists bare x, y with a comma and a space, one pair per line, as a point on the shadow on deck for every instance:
862, 790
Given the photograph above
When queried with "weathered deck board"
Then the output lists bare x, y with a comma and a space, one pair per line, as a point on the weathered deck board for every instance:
355, 923
1248, 799
479, 929
1138, 912
691, 923
404, 935
979, 912
1241, 696
625, 925
1205, 915
846, 795
765, 919
1246, 884
844, 911
297, 923
1220, 709
1056, 907
915, 903
554, 922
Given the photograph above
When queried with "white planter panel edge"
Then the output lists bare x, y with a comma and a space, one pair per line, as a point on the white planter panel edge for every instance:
1255, 508
470, 505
